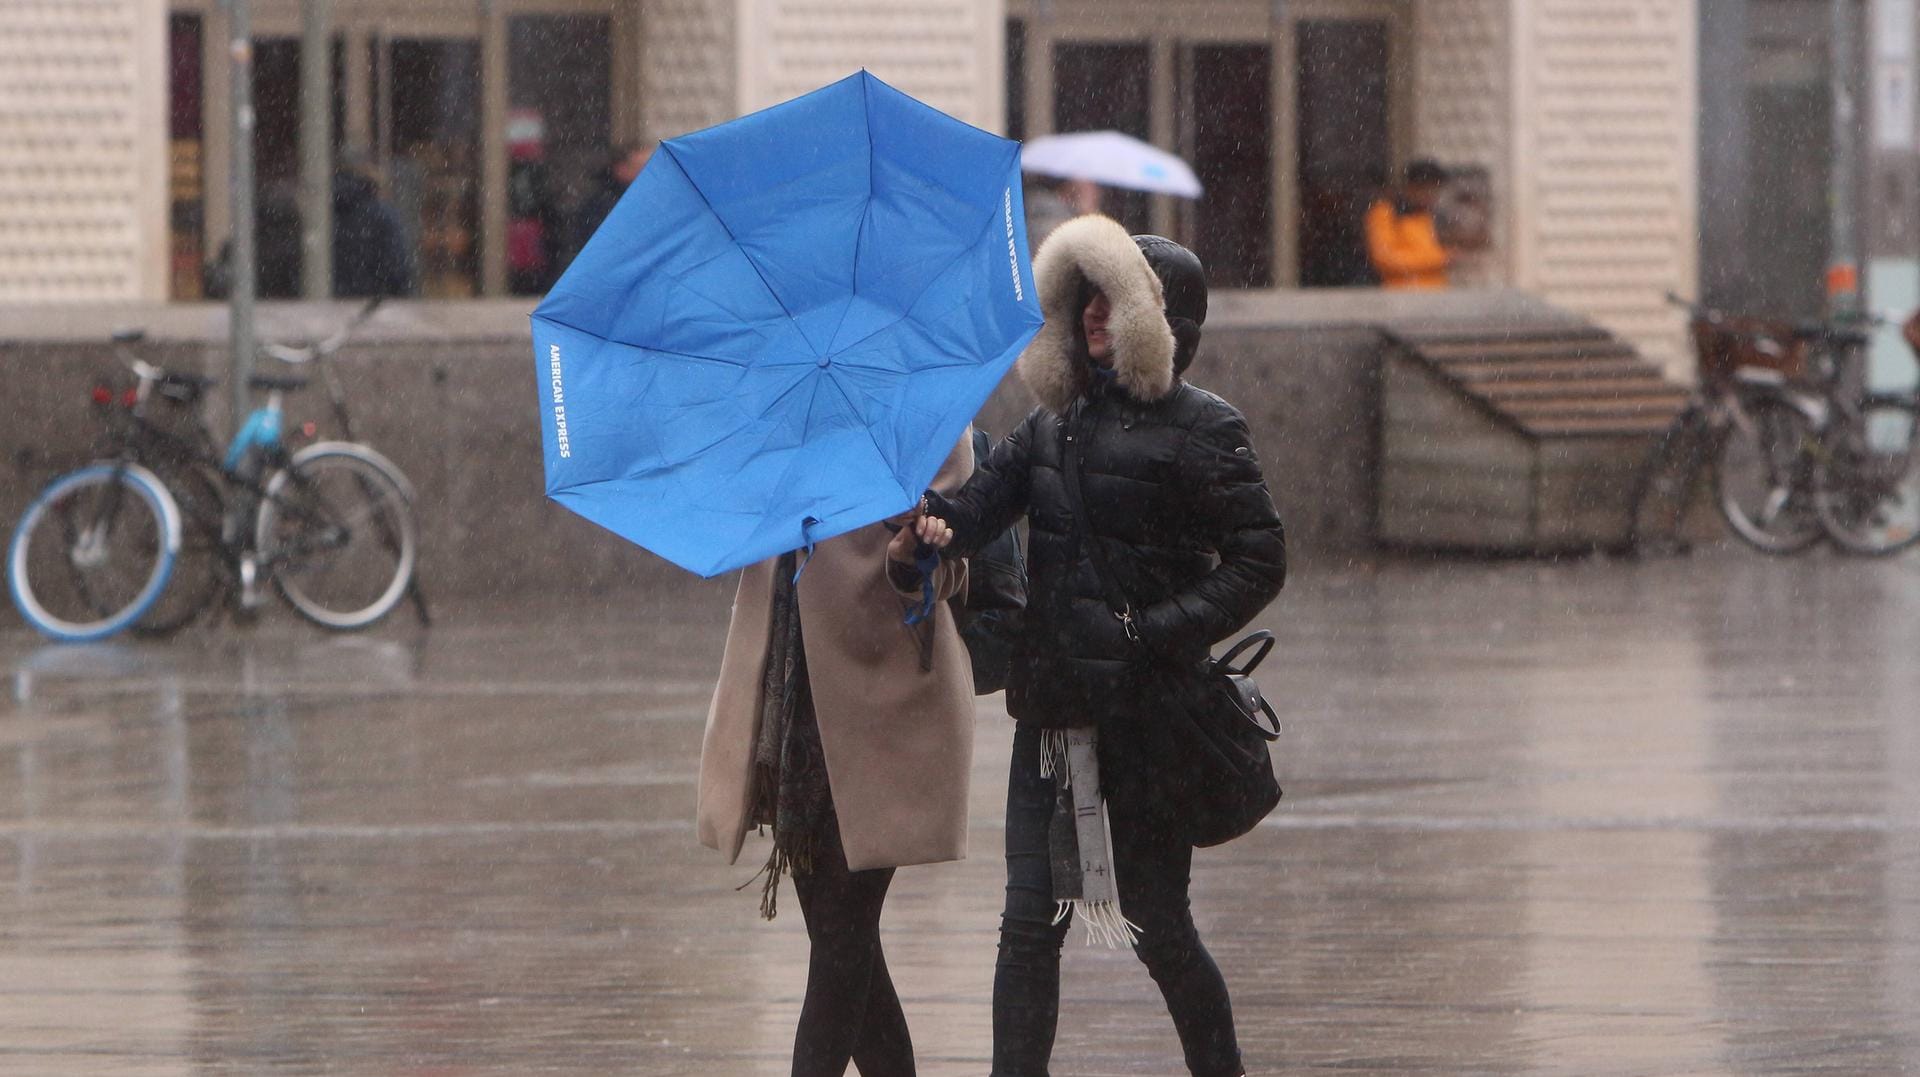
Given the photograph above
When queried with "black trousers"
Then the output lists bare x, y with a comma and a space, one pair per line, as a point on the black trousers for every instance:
851, 1011
1152, 866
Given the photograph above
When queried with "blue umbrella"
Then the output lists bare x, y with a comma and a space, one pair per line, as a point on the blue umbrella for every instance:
785, 325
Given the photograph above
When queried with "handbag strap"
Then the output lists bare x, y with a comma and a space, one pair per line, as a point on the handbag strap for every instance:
1071, 466
1261, 638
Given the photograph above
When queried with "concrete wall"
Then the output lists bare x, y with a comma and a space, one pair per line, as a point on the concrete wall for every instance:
83, 152
1605, 150
687, 56
1463, 111
447, 390
949, 53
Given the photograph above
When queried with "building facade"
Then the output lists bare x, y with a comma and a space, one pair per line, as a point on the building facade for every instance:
486, 120
83, 151
1576, 120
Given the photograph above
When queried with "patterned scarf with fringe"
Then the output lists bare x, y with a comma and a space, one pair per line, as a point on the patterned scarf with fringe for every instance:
791, 794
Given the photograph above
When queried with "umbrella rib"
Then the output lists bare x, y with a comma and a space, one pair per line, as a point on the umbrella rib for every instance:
786, 474
892, 465
915, 370
784, 394
619, 484
906, 315
644, 347
728, 229
866, 105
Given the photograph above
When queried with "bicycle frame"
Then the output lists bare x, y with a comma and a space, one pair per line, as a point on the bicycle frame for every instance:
320, 353
261, 432
243, 474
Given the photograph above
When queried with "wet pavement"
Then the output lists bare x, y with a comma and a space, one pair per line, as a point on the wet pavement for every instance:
1593, 818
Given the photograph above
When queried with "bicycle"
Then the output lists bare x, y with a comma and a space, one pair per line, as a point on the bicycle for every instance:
1867, 475
1752, 425
319, 355
99, 550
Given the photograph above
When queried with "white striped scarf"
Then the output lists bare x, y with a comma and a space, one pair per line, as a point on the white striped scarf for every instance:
1080, 845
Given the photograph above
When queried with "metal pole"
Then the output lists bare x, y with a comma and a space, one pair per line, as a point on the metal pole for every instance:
316, 151
494, 168
1843, 262
240, 181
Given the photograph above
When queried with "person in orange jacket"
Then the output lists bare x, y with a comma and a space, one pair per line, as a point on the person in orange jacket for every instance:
1402, 242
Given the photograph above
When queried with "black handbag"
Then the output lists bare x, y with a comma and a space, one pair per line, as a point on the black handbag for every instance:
1213, 766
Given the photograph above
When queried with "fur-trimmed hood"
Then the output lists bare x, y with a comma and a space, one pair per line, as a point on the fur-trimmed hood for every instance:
1097, 249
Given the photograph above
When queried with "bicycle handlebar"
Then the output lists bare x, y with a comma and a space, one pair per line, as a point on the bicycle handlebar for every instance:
286, 353
1837, 326
296, 355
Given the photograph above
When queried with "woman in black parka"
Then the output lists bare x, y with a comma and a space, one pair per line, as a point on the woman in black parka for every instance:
1174, 498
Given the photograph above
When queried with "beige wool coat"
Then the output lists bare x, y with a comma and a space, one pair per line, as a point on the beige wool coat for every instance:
898, 739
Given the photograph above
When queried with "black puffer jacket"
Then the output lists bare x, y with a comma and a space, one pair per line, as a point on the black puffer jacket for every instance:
1173, 491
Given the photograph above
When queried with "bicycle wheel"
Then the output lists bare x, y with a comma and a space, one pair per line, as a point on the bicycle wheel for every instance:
1664, 487
1763, 479
201, 566
1867, 483
336, 532
93, 551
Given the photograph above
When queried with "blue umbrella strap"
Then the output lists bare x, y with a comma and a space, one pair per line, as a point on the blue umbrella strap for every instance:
927, 559
806, 535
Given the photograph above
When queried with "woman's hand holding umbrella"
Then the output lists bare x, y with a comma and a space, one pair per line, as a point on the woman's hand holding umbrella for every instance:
918, 531
914, 556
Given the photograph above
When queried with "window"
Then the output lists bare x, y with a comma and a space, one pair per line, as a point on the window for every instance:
1104, 87
415, 119
1233, 157
186, 189
433, 172
559, 79
1345, 145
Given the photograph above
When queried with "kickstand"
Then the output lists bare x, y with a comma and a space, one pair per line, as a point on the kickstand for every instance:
419, 598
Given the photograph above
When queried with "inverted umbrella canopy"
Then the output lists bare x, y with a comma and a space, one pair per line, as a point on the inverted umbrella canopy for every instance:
784, 326
1111, 159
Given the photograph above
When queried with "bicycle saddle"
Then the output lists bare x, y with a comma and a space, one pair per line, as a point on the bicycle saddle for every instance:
129, 336
281, 383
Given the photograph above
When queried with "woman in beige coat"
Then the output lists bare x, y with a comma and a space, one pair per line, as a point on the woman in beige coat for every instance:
848, 732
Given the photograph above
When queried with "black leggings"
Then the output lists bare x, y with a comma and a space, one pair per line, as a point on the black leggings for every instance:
851, 1011
1152, 867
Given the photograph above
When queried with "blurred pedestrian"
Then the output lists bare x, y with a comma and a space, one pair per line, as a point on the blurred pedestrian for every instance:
1402, 240
848, 732
534, 220
371, 256
1052, 202
1124, 468
624, 164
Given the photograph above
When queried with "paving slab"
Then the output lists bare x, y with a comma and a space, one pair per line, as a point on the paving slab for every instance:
1590, 818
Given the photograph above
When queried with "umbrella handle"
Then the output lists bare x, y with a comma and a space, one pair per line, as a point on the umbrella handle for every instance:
927, 559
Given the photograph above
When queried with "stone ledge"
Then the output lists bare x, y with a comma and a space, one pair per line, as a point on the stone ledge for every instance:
452, 320
447, 390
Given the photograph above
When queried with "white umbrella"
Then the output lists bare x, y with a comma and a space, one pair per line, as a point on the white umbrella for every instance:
1110, 159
